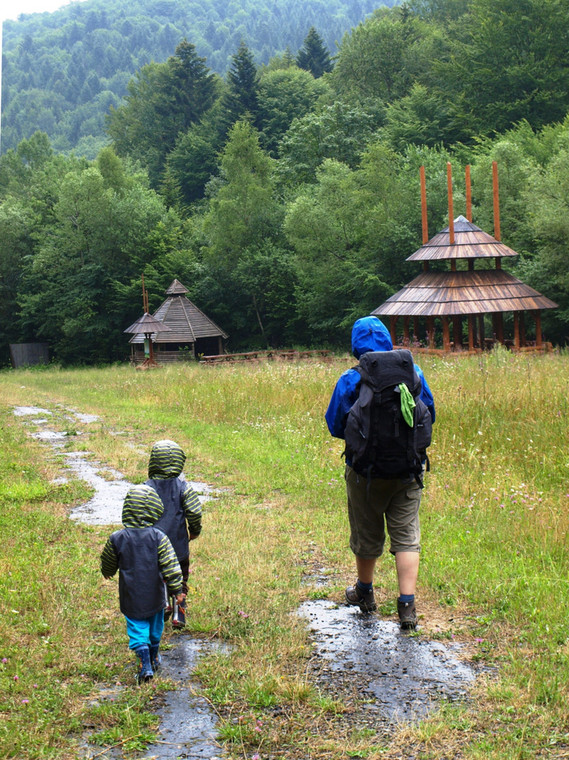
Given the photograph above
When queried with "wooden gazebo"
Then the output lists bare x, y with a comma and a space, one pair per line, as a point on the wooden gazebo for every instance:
468, 292
191, 333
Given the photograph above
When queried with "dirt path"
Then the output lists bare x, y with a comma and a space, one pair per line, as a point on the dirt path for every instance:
403, 678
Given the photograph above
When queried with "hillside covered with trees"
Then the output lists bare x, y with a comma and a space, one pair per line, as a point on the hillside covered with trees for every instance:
285, 196
63, 70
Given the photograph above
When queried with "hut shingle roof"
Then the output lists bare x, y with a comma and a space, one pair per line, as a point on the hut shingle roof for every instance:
470, 242
187, 323
461, 293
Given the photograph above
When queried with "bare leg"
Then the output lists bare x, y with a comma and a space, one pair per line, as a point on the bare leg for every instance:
407, 564
365, 568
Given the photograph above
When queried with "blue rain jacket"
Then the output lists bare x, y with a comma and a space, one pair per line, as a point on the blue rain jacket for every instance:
368, 334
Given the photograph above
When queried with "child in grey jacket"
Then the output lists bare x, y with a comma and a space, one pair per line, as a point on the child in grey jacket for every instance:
182, 518
145, 560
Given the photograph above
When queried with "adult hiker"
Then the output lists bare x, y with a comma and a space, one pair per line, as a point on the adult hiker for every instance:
393, 498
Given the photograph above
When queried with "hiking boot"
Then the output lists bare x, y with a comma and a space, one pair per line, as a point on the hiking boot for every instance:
179, 615
407, 615
365, 600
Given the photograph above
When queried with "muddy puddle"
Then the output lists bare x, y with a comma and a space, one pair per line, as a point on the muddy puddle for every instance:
187, 721
402, 677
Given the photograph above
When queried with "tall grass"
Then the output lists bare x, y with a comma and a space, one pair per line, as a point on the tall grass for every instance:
494, 565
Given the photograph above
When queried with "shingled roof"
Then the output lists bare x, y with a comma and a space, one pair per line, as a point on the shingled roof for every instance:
470, 242
463, 292
187, 323
485, 291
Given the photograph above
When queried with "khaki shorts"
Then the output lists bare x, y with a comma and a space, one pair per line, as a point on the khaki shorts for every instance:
373, 505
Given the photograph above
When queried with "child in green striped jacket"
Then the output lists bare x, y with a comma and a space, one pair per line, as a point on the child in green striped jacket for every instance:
182, 518
145, 560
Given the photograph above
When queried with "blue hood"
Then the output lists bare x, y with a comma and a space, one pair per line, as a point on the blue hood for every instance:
370, 334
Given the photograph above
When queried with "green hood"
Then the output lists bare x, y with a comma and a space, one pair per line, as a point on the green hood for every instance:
142, 507
166, 460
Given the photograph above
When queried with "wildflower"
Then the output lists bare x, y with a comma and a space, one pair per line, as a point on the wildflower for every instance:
4, 660
16, 678
25, 701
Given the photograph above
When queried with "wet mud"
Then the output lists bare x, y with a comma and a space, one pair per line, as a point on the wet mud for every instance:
402, 677
187, 720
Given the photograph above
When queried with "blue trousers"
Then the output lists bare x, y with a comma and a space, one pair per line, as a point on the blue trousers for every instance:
146, 631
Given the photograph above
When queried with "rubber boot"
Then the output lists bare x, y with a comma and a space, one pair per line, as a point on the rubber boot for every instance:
145, 672
169, 604
155, 659
179, 614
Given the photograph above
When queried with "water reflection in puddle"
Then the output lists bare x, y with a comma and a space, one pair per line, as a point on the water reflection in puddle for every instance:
185, 715
407, 675
24, 411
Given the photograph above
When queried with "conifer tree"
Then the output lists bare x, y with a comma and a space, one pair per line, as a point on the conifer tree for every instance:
313, 56
241, 99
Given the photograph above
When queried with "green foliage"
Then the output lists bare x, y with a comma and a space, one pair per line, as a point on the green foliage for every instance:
241, 98
286, 203
313, 55
370, 63
163, 102
284, 95
62, 71
339, 131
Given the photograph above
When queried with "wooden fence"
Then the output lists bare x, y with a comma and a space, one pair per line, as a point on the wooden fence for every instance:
274, 355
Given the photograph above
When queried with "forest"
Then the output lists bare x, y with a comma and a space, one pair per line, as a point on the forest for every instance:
285, 194
62, 71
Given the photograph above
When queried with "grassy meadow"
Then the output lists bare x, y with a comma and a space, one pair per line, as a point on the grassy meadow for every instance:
494, 569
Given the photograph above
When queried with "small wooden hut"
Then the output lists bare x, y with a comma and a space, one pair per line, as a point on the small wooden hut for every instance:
469, 294
191, 333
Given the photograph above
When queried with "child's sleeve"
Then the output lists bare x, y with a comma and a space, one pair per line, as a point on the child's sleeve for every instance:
109, 560
169, 566
192, 511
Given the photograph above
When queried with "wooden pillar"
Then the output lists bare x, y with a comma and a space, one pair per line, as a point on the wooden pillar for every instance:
431, 331
457, 331
406, 340
446, 334
522, 328
498, 326
481, 335
393, 329
496, 198
425, 224
517, 340
471, 336
416, 329
538, 336
450, 206
468, 193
